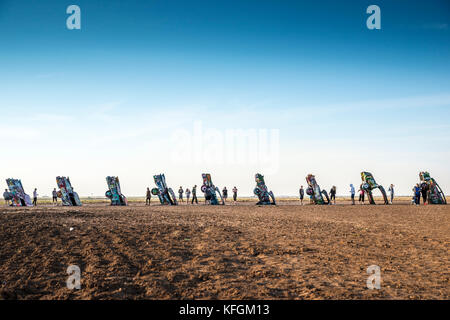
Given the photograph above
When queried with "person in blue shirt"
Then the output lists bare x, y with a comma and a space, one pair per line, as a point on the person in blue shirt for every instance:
417, 194
352, 193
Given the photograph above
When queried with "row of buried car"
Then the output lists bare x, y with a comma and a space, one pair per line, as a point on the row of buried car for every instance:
19, 198
435, 195
212, 193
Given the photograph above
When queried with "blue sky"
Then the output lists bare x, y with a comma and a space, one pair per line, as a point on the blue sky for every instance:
110, 99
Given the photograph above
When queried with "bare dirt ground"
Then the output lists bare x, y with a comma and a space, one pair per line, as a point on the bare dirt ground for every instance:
225, 252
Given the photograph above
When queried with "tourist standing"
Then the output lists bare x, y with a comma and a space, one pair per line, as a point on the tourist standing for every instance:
352, 193
148, 197
180, 194
55, 197
188, 195
424, 191
225, 193
391, 191
194, 195
417, 194
7, 197
35, 195
361, 194
333, 194
301, 191
235, 190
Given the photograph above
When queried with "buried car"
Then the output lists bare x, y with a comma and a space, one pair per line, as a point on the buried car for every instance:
435, 195
165, 194
262, 192
369, 184
68, 196
17, 194
210, 190
114, 193
314, 191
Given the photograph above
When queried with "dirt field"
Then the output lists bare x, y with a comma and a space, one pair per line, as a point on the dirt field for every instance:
225, 252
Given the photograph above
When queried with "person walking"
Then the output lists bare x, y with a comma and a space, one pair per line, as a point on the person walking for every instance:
188, 195
235, 190
148, 197
55, 197
333, 194
35, 195
352, 193
194, 195
361, 194
180, 194
225, 194
417, 194
6, 196
391, 191
301, 191
424, 191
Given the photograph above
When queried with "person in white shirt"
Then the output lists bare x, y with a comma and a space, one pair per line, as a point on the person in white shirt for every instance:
188, 195
391, 190
35, 195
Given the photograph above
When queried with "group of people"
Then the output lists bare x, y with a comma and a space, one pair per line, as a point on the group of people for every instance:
188, 194
418, 191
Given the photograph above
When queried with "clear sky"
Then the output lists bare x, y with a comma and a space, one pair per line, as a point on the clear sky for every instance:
181, 87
